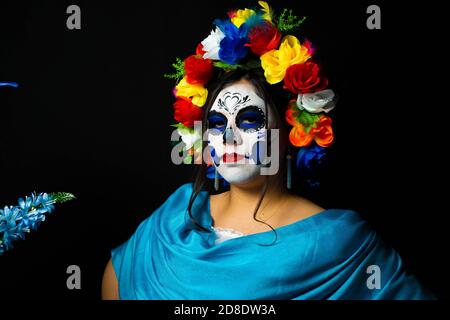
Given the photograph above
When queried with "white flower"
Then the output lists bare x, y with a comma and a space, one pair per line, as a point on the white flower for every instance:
189, 137
212, 44
321, 101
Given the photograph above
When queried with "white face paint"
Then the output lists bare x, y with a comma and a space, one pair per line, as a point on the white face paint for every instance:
236, 131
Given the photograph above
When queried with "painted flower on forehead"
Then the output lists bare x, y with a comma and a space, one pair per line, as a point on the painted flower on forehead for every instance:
276, 62
196, 92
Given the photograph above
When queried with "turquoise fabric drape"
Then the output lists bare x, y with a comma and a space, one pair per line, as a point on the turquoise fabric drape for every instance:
325, 256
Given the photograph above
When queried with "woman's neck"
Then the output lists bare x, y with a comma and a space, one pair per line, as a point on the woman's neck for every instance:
241, 200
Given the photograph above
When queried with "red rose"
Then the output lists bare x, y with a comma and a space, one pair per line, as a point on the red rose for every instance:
264, 38
232, 14
198, 70
304, 78
186, 112
199, 50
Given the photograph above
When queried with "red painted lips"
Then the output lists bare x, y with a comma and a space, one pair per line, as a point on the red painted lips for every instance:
232, 157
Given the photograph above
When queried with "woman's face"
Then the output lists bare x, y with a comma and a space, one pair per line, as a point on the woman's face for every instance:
237, 132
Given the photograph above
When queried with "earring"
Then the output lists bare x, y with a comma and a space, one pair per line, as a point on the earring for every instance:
288, 169
216, 179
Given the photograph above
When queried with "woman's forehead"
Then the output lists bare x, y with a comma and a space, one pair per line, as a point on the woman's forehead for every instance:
237, 96
241, 86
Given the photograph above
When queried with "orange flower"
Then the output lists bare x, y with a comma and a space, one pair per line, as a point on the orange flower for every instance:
299, 137
321, 132
291, 114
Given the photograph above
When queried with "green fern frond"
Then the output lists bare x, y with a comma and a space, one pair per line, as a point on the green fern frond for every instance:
288, 22
179, 70
60, 197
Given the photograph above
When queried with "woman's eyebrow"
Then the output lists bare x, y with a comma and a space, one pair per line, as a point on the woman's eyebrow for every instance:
215, 112
254, 109
251, 107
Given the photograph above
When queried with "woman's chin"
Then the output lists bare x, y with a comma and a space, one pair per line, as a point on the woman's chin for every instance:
239, 174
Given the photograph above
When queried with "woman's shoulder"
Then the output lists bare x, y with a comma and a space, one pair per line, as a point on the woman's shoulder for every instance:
346, 225
342, 232
301, 208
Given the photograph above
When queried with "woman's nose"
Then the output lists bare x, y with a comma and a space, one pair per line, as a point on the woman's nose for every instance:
230, 136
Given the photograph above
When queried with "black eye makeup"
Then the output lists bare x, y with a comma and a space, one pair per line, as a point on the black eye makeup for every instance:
217, 120
250, 119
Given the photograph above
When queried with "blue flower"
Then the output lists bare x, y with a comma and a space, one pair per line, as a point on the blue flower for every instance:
309, 158
232, 47
9, 217
16, 221
9, 84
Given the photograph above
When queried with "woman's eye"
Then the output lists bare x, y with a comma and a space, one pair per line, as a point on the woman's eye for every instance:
217, 122
250, 121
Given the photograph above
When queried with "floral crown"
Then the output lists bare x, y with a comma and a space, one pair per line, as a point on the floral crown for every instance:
252, 39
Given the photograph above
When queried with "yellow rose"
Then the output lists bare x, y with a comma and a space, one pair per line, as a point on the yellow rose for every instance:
276, 62
242, 16
197, 92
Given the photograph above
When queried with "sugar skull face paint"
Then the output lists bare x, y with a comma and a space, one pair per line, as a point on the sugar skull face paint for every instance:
237, 132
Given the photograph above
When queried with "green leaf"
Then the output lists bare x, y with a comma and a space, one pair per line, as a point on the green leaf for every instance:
178, 125
308, 120
226, 66
60, 197
288, 22
179, 70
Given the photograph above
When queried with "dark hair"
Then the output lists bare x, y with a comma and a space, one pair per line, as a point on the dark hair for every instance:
276, 101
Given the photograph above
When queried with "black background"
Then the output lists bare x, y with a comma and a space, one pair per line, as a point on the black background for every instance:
92, 116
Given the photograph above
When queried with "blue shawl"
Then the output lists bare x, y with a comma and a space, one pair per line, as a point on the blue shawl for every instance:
325, 256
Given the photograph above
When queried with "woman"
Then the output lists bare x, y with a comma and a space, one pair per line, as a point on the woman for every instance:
256, 239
